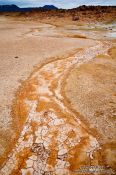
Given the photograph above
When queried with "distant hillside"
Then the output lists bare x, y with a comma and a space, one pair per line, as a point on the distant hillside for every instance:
49, 12
14, 8
49, 7
9, 8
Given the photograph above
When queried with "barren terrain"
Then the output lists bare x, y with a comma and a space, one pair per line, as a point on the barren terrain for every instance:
57, 96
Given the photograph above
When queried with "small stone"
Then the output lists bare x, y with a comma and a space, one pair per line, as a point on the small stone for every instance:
16, 57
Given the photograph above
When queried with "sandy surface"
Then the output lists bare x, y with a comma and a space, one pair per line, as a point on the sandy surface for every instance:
43, 132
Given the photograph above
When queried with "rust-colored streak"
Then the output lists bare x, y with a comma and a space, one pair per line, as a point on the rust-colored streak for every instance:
51, 137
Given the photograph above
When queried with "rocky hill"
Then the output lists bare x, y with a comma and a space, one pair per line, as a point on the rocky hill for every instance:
49, 12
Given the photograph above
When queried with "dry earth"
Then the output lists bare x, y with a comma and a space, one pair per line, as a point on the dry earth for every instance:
46, 126
91, 91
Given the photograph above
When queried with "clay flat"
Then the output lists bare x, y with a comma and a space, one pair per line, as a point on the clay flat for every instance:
57, 97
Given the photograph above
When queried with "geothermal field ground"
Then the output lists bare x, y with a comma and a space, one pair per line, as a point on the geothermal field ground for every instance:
57, 96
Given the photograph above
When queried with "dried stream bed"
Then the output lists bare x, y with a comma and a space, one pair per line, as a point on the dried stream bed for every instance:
52, 138
48, 133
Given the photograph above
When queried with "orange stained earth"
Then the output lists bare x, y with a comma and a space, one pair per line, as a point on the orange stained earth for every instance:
51, 140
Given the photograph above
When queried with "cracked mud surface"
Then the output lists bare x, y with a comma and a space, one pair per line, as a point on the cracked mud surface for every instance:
52, 138
44, 134
20, 50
